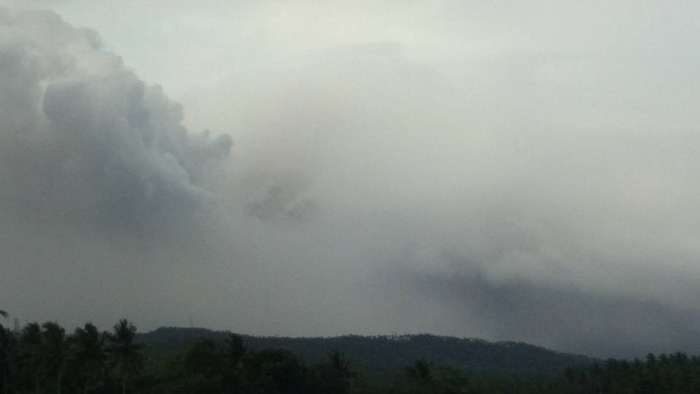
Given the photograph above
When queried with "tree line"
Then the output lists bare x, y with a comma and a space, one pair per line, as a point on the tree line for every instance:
45, 359
665, 373
385, 356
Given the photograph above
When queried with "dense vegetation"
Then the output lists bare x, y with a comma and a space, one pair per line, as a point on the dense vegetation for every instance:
384, 356
44, 359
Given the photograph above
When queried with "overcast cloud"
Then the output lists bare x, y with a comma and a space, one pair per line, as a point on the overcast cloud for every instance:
460, 168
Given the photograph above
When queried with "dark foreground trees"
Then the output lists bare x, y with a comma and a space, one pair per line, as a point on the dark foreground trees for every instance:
667, 373
89, 357
233, 368
44, 359
125, 354
6, 357
52, 355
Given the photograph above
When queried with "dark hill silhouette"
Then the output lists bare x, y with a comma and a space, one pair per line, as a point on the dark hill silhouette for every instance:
385, 354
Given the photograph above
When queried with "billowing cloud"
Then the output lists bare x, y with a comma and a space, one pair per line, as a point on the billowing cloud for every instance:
84, 140
462, 169
96, 166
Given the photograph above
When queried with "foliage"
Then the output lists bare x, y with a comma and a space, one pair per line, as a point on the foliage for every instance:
52, 354
125, 355
43, 359
89, 357
383, 357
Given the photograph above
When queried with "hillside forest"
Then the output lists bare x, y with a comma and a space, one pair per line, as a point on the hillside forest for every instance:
44, 358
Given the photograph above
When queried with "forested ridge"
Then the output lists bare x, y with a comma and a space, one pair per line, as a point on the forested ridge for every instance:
44, 358
386, 354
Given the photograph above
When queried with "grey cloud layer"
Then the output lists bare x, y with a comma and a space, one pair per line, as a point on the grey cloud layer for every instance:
467, 180
560, 161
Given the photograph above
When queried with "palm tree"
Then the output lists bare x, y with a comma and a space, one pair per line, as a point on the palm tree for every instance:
7, 355
126, 358
89, 356
28, 361
234, 357
5, 341
53, 352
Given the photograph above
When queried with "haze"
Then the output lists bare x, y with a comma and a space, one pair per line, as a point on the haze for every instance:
477, 169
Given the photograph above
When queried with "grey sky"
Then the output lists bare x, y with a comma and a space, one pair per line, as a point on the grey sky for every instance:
464, 168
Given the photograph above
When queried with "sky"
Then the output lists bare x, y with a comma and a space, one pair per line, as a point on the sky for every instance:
502, 170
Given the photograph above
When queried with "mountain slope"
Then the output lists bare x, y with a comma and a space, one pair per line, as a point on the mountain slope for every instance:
385, 354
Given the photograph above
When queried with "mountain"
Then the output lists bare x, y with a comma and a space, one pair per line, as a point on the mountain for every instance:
384, 355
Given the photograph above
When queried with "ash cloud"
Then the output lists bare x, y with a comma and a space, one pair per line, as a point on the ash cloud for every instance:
422, 168
101, 184
281, 202
567, 205
593, 323
85, 140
